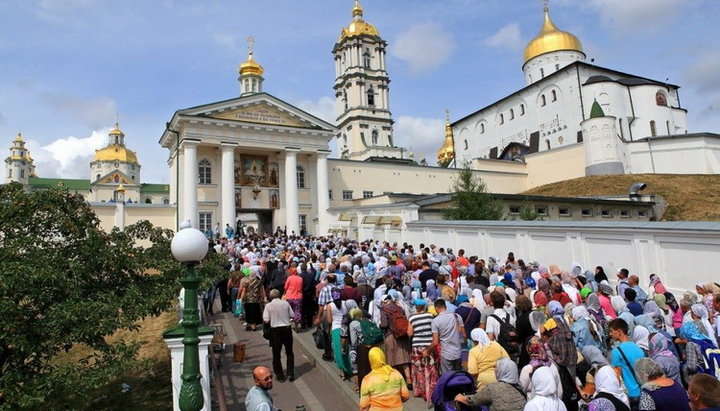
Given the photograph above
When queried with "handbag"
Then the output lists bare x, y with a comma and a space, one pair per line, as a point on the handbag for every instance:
319, 337
239, 309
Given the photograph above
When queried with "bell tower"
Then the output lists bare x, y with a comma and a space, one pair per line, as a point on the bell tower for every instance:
361, 91
19, 165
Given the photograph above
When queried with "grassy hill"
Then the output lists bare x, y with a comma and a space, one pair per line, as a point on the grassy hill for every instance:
689, 197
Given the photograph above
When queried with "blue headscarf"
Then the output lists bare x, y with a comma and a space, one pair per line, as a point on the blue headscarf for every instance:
555, 309
432, 292
690, 331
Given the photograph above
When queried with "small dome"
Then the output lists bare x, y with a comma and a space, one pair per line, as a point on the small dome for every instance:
446, 154
116, 131
250, 66
358, 26
551, 39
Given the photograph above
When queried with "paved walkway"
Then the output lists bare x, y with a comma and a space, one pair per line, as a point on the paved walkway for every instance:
318, 385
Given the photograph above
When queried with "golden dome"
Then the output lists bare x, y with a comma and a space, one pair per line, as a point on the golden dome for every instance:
251, 67
358, 26
551, 39
115, 152
446, 154
121, 188
19, 137
116, 131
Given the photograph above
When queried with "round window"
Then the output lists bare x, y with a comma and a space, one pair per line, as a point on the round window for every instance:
117, 164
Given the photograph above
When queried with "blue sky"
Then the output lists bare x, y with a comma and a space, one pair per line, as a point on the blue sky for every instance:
68, 66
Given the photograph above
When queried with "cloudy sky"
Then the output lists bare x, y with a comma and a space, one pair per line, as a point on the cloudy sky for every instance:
68, 67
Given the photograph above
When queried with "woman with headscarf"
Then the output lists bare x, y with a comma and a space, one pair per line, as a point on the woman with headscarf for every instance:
397, 348
622, 311
585, 330
696, 342
604, 298
641, 336
424, 369
594, 359
660, 352
542, 295
652, 308
658, 391
252, 294
432, 292
355, 334
559, 295
592, 302
677, 313
700, 312
483, 357
539, 358
708, 290
545, 396
384, 387
609, 393
666, 314
656, 286
503, 395
600, 275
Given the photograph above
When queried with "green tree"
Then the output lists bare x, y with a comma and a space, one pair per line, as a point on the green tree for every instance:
65, 282
470, 199
527, 212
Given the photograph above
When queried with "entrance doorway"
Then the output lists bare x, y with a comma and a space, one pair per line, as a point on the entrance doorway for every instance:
256, 220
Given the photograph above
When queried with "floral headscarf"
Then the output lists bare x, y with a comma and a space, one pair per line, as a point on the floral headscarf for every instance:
538, 353
659, 346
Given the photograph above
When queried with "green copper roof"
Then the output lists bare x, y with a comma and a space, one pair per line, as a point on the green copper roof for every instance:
596, 110
155, 188
61, 183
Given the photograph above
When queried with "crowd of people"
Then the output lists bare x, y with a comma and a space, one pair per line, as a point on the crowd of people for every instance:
463, 332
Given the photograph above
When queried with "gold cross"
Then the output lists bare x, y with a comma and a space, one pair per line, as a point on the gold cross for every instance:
251, 44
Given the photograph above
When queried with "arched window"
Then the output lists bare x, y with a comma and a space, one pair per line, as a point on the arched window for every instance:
553, 96
300, 177
344, 140
482, 128
370, 97
97, 177
660, 99
522, 109
547, 144
512, 114
374, 137
542, 73
501, 119
204, 172
148, 200
653, 130
667, 125
466, 144
557, 67
542, 100
366, 60
345, 100
166, 201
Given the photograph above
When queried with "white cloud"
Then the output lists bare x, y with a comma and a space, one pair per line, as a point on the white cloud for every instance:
67, 157
94, 113
636, 15
424, 47
422, 136
324, 108
507, 37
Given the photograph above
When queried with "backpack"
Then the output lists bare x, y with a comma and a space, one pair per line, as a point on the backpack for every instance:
570, 392
508, 337
371, 333
398, 322
562, 345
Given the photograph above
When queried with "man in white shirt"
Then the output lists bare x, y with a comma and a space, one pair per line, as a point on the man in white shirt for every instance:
492, 325
277, 315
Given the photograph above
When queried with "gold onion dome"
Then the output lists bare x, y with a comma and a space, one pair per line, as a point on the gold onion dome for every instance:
116, 131
115, 152
251, 66
551, 39
447, 152
358, 26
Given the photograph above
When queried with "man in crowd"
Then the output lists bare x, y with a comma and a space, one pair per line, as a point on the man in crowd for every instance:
623, 357
704, 393
258, 398
277, 316
447, 330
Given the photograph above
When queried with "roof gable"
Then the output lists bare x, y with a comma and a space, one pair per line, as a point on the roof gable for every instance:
115, 177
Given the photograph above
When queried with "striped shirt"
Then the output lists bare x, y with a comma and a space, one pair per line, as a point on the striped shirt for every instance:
325, 296
422, 332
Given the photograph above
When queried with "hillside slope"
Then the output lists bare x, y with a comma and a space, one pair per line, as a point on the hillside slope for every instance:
689, 197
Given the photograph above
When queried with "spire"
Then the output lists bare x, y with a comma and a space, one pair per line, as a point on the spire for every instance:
19, 137
357, 10
596, 110
446, 154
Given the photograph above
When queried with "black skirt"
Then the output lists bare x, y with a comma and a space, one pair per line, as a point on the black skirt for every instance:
253, 315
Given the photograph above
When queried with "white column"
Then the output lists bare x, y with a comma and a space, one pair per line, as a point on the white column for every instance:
323, 195
227, 186
190, 180
291, 191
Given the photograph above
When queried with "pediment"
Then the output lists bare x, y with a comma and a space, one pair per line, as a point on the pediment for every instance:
115, 177
260, 108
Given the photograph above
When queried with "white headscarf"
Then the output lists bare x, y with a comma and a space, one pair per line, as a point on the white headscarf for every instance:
606, 380
701, 311
641, 336
545, 392
480, 336
478, 300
